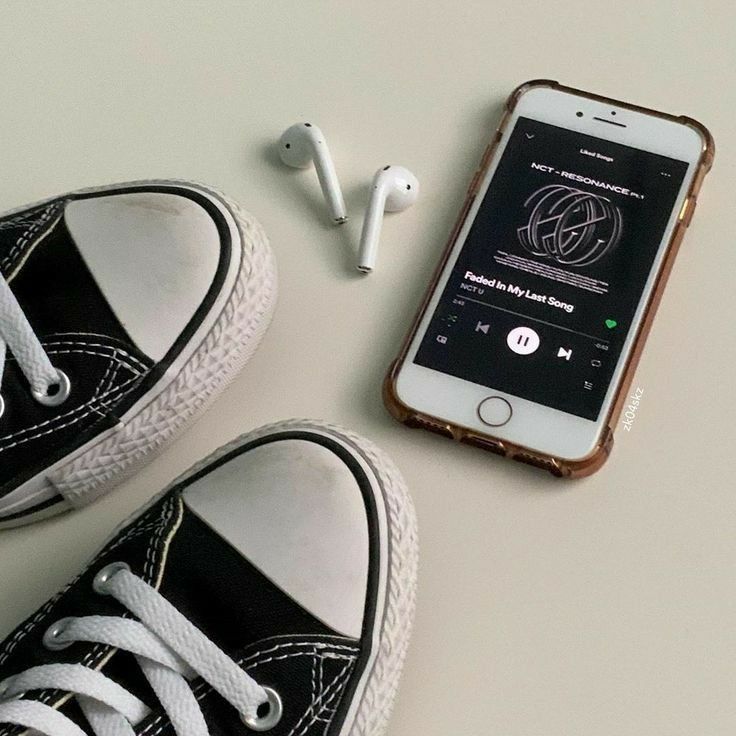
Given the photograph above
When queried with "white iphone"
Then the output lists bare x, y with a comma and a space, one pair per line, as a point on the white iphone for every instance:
528, 335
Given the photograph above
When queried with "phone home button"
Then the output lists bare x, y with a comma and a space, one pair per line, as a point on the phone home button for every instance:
494, 411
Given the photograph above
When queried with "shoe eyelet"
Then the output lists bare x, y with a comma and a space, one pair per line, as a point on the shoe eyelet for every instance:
51, 636
270, 718
103, 576
61, 395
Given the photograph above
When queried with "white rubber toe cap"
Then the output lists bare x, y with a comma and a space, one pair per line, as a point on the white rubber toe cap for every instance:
295, 511
154, 256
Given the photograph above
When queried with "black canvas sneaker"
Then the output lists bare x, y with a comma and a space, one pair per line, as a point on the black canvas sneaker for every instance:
270, 588
124, 310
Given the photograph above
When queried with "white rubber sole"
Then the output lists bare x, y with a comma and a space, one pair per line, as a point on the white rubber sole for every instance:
374, 697
213, 357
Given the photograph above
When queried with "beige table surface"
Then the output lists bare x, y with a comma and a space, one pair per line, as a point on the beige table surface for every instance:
605, 606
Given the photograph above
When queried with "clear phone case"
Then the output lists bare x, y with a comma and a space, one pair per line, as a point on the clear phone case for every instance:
557, 466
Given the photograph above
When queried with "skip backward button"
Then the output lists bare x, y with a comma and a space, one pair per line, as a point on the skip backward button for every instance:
482, 327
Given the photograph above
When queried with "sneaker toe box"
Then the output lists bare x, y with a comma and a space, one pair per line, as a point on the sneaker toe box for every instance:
296, 511
154, 256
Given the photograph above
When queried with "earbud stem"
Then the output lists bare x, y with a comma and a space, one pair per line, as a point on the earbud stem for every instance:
329, 182
371, 232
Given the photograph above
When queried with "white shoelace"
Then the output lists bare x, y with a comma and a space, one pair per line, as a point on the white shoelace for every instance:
167, 646
17, 335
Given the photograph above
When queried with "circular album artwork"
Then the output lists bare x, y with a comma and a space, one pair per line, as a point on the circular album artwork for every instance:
569, 226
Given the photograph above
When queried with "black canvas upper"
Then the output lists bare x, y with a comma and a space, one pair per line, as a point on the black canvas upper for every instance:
313, 668
82, 335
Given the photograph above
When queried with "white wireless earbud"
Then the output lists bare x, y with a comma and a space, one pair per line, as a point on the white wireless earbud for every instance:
302, 144
394, 189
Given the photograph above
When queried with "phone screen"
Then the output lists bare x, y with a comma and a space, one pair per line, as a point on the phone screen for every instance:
544, 292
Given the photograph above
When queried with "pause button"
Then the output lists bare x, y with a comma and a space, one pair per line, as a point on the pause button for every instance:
522, 340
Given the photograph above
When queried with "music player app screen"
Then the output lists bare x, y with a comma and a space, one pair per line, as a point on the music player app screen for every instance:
543, 294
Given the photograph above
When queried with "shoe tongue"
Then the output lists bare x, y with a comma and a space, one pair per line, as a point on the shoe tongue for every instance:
207, 580
142, 545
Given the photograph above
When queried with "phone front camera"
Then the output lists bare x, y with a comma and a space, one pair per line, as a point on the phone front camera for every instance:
579, 114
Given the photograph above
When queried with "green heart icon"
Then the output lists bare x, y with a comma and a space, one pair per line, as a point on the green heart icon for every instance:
611, 323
